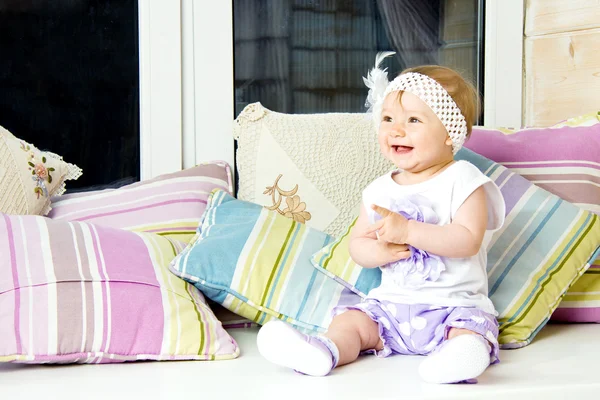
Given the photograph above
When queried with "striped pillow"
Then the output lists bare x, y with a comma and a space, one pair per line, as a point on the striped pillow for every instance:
256, 263
169, 205
545, 245
77, 292
566, 162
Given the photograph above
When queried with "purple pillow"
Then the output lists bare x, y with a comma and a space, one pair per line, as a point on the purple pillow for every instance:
565, 161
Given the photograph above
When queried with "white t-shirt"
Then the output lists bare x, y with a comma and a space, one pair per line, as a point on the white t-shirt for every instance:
464, 282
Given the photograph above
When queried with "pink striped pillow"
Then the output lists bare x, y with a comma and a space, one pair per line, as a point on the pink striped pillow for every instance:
564, 160
78, 292
169, 205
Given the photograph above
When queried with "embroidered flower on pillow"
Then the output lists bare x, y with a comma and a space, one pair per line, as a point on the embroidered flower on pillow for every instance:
30, 177
41, 173
295, 209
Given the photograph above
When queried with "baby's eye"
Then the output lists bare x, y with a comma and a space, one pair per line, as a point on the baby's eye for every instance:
413, 120
386, 118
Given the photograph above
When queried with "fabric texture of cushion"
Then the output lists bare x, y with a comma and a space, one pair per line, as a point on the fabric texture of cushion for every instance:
310, 167
256, 263
29, 177
168, 205
565, 160
77, 292
545, 245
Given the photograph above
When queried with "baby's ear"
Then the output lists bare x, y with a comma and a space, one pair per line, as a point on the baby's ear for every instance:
448, 141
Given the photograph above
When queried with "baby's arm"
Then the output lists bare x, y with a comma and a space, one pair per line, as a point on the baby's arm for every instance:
369, 252
461, 238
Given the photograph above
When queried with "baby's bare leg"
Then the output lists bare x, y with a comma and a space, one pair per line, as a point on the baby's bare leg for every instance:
454, 332
352, 332
349, 333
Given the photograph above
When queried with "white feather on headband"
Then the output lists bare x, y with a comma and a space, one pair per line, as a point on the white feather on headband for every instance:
377, 81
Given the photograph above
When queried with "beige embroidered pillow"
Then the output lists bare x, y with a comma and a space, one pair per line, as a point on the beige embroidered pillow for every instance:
310, 167
29, 177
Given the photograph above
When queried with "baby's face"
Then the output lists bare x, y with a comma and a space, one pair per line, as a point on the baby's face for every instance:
411, 135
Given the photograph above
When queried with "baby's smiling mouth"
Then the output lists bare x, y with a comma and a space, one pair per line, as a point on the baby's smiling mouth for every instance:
401, 149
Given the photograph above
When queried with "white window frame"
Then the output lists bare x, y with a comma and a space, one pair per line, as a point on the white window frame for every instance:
186, 84
208, 82
503, 69
187, 79
160, 87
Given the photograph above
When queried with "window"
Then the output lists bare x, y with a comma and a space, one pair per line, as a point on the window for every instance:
69, 83
188, 90
306, 56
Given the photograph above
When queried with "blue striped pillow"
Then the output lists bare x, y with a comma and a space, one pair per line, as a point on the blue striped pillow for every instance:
256, 263
545, 245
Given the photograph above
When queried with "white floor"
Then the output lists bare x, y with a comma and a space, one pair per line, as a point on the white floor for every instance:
563, 362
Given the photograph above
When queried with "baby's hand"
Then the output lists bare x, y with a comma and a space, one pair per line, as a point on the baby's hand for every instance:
395, 251
392, 227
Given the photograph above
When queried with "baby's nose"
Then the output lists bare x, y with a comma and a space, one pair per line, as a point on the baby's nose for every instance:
397, 131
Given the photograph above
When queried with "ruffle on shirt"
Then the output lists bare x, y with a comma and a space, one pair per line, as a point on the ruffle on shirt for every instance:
421, 266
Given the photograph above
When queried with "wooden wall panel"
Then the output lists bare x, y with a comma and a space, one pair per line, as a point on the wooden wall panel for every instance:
553, 16
562, 76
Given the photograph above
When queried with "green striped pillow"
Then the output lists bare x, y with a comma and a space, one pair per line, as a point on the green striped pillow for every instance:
256, 263
545, 245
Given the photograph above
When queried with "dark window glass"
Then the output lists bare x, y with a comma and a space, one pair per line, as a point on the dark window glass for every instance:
308, 56
69, 83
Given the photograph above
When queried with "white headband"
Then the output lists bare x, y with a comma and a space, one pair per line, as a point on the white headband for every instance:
426, 89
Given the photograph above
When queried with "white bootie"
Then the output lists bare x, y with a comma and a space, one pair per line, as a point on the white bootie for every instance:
283, 345
459, 359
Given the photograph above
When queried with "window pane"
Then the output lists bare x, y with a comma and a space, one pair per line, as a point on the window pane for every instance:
307, 56
69, 83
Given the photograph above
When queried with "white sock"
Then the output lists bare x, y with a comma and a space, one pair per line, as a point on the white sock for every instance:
283, 345
459, 359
